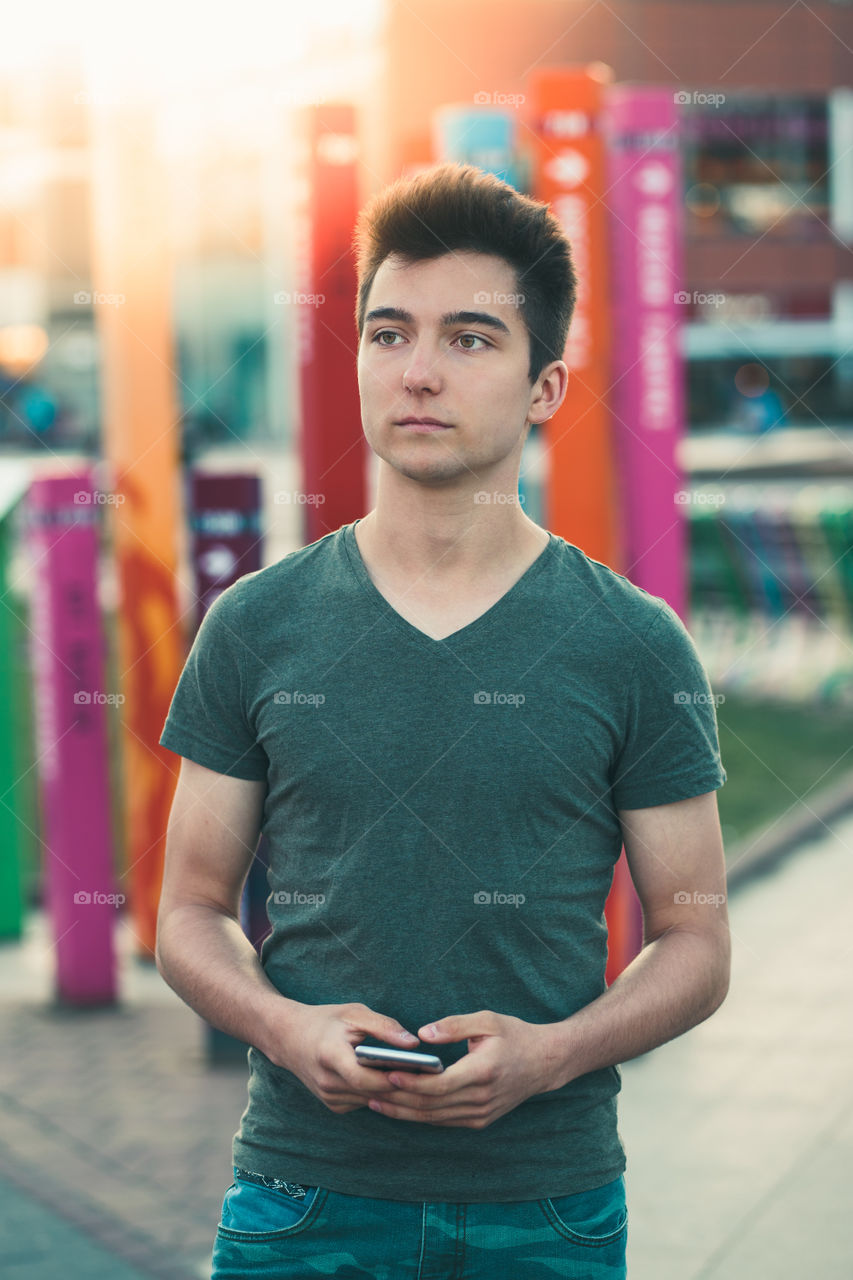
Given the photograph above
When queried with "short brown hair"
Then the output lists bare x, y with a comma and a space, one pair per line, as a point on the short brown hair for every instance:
458, 207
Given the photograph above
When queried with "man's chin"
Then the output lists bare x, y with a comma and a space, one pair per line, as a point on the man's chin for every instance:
434, 476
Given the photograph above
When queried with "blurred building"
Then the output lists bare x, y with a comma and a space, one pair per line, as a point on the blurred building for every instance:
767, 111
767, 117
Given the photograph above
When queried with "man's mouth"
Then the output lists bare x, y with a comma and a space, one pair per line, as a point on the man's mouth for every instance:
424, 424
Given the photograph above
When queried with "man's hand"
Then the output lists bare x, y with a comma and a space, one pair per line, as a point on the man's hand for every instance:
508, 1060
321, 1052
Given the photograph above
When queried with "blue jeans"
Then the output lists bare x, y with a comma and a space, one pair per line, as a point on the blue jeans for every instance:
278, 1229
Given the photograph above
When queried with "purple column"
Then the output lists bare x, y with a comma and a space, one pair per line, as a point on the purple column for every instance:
226, 543
71, 733
225, 520
647, 395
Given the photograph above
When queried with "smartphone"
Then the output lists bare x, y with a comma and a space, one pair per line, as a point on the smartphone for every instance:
387, 1059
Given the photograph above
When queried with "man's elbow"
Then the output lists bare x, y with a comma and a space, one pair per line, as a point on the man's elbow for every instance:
720, 972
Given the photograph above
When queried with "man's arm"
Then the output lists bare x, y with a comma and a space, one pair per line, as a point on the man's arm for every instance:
675, 853
201, 949
204, 955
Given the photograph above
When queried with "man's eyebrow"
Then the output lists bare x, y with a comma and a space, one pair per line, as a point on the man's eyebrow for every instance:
449, 318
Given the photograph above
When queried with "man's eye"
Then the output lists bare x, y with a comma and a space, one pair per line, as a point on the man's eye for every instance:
476, 338
384, 333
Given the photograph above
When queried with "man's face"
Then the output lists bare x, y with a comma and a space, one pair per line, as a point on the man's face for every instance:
444, 339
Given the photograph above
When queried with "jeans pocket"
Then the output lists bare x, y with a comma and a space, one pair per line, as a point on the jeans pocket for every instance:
594, 1218
260, 1208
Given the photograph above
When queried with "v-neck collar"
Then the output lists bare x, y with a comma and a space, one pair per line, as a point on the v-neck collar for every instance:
463, 633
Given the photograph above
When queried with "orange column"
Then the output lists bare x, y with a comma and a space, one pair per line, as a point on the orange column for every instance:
568, 172
582, 494
131, 299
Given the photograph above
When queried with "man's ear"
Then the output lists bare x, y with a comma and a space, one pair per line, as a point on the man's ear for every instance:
553, 383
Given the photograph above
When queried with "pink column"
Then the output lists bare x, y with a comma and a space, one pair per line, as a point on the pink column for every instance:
647, 391
647, 380
71, 732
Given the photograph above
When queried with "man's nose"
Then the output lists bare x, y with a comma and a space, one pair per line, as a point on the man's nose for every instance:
422, 371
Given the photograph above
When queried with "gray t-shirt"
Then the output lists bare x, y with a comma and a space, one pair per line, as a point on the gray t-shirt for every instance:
441, 831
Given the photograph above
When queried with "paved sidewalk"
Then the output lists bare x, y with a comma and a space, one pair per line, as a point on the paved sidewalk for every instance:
115, 1136
740, 1134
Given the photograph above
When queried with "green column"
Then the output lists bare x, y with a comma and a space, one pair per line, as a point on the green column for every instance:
13, 823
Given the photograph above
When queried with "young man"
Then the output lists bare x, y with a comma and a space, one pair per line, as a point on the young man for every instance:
446, 720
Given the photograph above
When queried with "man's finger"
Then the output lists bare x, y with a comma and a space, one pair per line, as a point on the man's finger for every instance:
459, 1027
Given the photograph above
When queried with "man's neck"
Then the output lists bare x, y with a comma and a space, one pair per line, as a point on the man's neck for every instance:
440, 536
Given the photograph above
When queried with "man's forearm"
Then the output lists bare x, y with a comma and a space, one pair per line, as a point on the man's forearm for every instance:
675, 982
204, 955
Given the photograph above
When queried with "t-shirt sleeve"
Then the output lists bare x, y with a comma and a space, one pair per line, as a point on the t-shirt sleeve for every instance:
670, 749
207, 720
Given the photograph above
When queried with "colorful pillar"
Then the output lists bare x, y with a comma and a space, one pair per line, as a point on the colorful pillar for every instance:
12, 487
647, 398
647, 375
226, 543
71, 709
483, 135
132, 308
569, 173
332, 445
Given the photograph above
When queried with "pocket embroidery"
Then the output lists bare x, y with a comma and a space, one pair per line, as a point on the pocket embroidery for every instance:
293, 1189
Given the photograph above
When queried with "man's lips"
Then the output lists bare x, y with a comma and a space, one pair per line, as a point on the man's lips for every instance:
424, 424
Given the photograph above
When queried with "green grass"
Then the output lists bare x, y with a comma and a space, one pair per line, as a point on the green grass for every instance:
775, 755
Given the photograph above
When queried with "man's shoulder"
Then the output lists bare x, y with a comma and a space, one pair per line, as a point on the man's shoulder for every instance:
600, 593
306, 568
